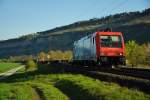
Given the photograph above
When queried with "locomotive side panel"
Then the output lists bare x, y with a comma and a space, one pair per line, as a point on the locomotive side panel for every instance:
85, 48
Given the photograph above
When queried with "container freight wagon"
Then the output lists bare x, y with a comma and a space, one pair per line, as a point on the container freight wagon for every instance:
100, 48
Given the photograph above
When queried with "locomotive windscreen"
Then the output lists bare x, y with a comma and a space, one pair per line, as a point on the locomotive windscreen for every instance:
113, 41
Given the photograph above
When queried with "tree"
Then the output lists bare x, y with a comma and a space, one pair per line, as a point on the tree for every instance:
59, 55
134, 53
68, 55
139, 54
147, 53
42, 56
52, 55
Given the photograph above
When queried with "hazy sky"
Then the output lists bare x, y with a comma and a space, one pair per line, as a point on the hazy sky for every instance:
20, 17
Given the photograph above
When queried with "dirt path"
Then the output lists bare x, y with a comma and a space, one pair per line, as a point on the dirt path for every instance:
10, 72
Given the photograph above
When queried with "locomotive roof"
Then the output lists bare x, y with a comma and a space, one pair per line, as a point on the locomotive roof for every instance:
98, 33
108, 33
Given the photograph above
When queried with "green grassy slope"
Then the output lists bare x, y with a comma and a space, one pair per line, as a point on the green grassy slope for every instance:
53, 83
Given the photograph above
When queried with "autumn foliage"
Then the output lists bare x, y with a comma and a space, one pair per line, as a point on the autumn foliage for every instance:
55, 55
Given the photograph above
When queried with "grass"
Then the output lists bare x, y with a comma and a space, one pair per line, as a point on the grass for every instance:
48, 91
79, 87
7, 66
16, 92
56, 84
30, 91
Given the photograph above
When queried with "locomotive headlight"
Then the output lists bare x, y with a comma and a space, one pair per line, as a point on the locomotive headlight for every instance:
121, 54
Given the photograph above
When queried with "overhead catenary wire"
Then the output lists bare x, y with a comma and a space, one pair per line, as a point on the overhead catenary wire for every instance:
94, 4
119, 5
113, 5
103, 10
86, 11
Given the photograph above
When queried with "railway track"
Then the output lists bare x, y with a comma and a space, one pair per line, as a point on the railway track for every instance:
131, 72
138, 73
128, 81
134, 78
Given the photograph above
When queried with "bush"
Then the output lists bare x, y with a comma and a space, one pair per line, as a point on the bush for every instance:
134, 53
147, 54
59, 55
42, 56
31, 65
137, 54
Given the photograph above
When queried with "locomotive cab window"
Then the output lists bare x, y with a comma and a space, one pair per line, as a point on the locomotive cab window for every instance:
111, 41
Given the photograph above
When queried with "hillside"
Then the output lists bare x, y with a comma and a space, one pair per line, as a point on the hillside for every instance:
134, 25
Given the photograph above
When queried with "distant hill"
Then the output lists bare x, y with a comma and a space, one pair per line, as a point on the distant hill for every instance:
134, 25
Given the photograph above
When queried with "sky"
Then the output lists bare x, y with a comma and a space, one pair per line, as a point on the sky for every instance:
21, 17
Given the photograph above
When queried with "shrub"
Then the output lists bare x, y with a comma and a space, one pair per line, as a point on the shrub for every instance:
147, 53
42, 56
59, 55
134, 53
31, 65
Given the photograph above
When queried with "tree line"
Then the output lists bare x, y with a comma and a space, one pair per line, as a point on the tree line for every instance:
55, 55
136, 55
